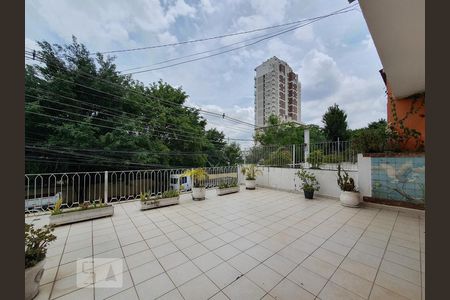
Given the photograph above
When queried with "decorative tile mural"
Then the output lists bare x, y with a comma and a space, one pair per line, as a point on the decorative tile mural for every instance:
399, 178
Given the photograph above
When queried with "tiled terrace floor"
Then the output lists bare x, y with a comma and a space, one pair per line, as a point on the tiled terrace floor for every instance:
261, 244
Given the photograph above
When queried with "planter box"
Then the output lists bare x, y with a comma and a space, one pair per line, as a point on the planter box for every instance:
229, 190
149, 204
81, 215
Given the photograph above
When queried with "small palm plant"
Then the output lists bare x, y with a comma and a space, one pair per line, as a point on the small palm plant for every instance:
198, 175
250, 172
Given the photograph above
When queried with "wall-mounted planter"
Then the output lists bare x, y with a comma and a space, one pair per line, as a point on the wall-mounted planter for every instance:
226, 191
154, 203
81, 215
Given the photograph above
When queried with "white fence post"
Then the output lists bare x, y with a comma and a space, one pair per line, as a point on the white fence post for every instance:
293, 156
106, 187
306, 138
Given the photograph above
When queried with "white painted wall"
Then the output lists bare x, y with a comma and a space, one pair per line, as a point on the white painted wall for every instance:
365, 175
285, 179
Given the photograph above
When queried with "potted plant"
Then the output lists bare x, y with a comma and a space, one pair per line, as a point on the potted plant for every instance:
199, 176
309, 183
167, 198
250, 172
228, 187
349, 195
85, 211
36, 243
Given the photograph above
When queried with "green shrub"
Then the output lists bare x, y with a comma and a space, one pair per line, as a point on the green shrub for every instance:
280, 157
228, 184
36, 243
170, 194
370, 140
309, 181
315, 158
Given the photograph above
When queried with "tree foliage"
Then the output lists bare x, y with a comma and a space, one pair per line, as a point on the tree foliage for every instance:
287, 133
335, 123
82, 114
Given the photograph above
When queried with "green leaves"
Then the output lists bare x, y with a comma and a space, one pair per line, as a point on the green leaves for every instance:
309, 181
82, 103
335, 123
36, 243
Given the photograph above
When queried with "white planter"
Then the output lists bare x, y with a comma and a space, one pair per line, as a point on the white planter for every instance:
149, 204
198, 193
250, 184
33, 276
229, 190
81, 215
350, 199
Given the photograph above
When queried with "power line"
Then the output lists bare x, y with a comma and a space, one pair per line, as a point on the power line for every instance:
115, 128
233, 49
109, 159
194, 54
344, 10
208, 38
45, 98
133, 91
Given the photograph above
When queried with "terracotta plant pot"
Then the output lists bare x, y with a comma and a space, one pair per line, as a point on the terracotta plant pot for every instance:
350, 199
309, 194
250, 184
198, 193
33, 277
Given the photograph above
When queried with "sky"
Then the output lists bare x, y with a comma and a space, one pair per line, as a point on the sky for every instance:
335, 57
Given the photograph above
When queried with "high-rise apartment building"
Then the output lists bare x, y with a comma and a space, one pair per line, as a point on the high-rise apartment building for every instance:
277, 92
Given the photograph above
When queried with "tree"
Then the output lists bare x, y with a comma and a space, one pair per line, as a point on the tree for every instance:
287, 133
335, 123
371, 139
233, 154
83, 115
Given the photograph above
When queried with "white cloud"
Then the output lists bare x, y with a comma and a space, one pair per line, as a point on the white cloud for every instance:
329, 72
207, 7
181, 8
304, 34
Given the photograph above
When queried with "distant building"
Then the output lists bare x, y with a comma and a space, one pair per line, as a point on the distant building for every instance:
277, 92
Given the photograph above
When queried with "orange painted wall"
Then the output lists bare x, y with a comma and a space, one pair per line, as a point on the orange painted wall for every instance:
414, 121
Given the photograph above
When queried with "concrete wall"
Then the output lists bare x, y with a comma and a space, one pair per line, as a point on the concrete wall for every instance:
285, 179
365, 175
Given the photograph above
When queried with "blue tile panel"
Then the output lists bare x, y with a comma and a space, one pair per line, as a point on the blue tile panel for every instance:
399, 178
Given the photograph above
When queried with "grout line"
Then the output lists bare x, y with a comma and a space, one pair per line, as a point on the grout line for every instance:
320, 247
261, 262
93, 258
145, 241
123, 253
384, 252
345, 256
59, 263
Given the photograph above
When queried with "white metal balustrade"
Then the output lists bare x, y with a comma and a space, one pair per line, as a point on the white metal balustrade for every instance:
43, 190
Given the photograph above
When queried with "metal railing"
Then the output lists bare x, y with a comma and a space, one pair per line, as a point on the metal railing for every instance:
325, 155
76, 188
